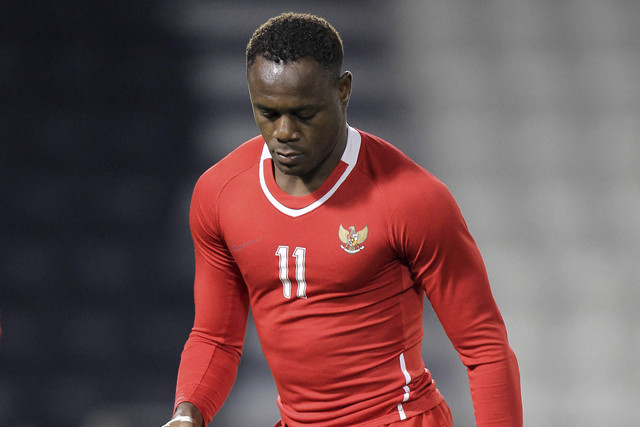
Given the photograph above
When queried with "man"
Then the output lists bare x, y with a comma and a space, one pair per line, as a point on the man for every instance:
333, 237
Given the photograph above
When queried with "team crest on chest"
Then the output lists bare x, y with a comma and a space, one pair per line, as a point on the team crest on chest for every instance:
353, 240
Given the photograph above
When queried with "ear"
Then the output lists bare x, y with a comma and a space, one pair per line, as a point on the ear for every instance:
344, 87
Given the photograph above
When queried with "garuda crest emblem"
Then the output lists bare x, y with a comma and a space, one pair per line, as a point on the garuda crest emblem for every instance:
353, 240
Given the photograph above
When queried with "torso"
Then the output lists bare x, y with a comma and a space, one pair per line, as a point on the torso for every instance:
339, 319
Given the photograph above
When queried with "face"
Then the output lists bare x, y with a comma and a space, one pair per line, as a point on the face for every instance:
300, 109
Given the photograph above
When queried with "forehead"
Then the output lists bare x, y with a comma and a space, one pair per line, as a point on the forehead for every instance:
304, 78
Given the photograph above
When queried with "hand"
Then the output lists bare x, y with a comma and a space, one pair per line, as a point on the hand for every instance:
181, 421
186, 415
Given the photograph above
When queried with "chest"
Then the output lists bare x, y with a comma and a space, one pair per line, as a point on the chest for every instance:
339, 249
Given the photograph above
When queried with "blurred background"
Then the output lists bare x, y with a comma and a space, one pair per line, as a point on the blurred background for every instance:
528, 110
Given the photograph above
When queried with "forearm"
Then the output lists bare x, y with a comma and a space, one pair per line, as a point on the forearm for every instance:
206, 374
495, 391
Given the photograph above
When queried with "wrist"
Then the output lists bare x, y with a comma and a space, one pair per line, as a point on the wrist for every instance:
186, 410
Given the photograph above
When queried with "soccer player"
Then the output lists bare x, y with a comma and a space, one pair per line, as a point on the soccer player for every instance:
333, 237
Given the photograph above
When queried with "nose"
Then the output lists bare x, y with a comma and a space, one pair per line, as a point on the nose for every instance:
285, 129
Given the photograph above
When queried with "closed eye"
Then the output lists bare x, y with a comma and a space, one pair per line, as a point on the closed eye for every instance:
305, 116
269, 115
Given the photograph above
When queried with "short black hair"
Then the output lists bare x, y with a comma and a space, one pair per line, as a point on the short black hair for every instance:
291, 36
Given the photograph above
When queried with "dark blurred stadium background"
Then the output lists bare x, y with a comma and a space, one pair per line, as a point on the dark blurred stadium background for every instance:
109, 111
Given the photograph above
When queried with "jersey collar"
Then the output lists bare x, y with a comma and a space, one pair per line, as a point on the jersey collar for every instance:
280, 200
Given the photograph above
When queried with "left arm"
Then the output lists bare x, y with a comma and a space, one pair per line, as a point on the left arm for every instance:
445, 261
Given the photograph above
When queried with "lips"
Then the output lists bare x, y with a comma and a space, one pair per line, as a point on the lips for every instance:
288, 154
287, 157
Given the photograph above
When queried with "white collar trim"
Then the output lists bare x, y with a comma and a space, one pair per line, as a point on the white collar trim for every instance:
350, 157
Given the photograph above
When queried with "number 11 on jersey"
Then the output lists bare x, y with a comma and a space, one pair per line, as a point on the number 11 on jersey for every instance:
283, 267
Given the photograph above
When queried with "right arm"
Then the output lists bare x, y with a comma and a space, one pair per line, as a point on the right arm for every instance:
211, 355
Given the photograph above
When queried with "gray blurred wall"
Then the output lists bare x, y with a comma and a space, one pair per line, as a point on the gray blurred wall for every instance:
528, 110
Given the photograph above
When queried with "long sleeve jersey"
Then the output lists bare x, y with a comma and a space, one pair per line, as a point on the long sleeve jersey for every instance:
336, 282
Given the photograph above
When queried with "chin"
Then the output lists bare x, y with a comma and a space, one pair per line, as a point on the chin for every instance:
288, 170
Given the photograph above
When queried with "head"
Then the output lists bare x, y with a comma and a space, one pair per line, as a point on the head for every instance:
299, 96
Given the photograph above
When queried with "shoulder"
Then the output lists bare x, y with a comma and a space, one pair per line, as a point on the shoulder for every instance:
214, 179
415, 201
395, 174
211, 184
422, 211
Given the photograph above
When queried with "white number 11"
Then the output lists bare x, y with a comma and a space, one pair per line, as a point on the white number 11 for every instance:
283, 266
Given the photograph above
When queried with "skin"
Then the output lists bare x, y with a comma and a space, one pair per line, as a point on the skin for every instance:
301, 111
188, 408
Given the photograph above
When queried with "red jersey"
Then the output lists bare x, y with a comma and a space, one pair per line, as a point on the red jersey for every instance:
336, 283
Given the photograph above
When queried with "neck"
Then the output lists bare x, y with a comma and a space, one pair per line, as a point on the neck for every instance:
295, 185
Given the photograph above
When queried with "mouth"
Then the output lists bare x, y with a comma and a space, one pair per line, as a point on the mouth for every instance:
287, 156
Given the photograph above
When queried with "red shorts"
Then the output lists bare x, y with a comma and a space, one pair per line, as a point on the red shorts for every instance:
440, 416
